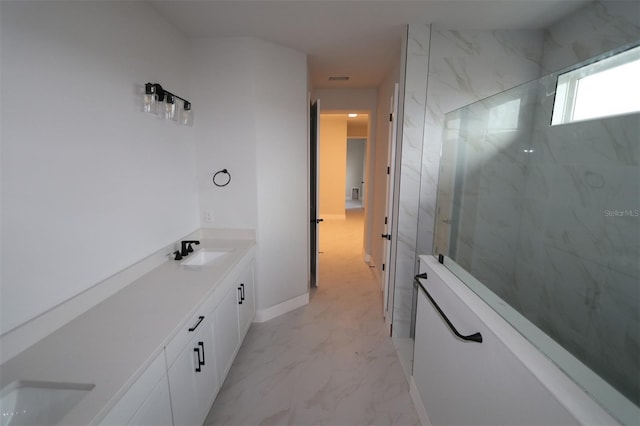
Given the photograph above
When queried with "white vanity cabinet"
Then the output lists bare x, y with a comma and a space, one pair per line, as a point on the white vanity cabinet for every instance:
182, 382
193, 378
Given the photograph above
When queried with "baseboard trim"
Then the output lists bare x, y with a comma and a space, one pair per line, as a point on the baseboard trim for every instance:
417, 403
264, 315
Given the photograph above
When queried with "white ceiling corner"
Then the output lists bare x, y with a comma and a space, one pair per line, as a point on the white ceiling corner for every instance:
358, 38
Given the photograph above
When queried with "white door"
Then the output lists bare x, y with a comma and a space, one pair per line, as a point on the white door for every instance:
387, 285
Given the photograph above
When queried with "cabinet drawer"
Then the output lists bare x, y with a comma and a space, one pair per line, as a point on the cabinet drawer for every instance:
190, 328
186, 333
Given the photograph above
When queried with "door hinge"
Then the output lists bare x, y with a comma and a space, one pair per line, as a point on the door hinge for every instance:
386, 220
388, 170
390, 116
383, 267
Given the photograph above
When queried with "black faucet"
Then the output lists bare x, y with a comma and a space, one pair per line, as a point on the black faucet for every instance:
186, 247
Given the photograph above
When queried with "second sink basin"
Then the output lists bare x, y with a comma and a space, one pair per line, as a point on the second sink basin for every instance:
203, 257
39, 403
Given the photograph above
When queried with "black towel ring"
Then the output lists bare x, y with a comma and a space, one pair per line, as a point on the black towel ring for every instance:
223, 171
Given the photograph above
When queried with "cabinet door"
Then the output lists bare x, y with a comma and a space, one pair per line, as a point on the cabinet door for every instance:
248, 306
207, 384
184, 389
194, 379
156, 409
226, 330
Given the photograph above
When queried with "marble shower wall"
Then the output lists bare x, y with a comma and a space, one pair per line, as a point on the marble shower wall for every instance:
489, 169
446, 69
555, 231
464, 67
415, 89
594, 29
576, 272
578, 261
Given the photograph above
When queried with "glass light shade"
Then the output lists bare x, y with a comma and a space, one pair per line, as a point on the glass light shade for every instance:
149, 102
170, 109
186, 115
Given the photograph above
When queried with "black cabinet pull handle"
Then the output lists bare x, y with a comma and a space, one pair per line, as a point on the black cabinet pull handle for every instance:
201, 344
240, 294
200, 352
197, 351
200, 318
242, 291
475, 337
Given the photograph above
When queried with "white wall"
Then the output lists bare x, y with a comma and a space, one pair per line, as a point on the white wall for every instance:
254, 123
223, 86
282, 143
90, 184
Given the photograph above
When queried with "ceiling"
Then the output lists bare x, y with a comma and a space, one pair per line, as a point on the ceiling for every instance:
357, 38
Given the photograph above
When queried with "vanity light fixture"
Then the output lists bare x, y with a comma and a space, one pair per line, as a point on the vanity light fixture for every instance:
160, 101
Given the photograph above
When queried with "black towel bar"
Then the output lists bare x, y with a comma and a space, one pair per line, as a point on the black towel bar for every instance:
475, 337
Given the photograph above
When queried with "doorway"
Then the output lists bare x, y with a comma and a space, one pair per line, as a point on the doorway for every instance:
342, 156
356, 159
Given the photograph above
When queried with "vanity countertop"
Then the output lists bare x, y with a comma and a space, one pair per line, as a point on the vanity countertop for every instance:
114, 342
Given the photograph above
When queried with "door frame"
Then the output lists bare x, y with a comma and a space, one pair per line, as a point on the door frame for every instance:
387, 284
314, 205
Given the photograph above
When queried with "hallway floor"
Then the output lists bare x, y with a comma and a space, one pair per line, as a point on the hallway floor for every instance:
328, 363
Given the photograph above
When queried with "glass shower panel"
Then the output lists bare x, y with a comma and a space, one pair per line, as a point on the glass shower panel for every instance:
548, 218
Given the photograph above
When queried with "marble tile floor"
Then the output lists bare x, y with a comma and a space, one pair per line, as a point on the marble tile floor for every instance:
328, 363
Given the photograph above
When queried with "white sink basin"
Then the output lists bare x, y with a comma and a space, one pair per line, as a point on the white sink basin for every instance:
203, 257
39, 403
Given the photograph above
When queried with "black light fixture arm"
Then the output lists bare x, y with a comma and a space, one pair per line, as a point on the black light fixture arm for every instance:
161, 93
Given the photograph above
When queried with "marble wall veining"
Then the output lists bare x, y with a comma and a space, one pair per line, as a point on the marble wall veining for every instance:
580, 255
415, 89
594, 29
467, 66
547, 217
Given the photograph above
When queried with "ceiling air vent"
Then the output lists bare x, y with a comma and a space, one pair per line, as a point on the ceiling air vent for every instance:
339, 78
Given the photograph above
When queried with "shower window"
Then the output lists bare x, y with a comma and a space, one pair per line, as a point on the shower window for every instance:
608, 87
